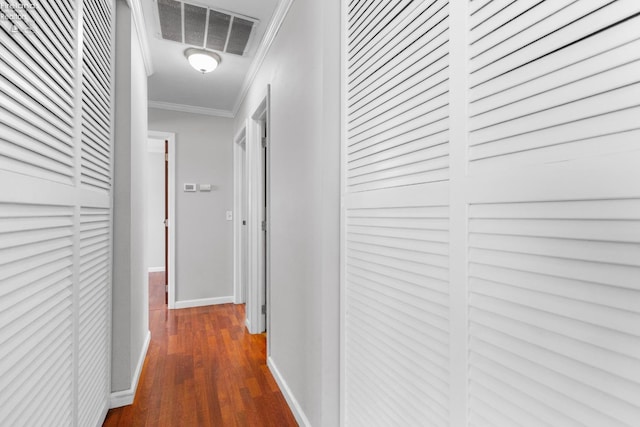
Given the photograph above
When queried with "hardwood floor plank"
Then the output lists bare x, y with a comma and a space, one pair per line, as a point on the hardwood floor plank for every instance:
203, 369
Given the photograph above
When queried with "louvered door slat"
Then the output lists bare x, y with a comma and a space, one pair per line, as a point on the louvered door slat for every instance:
95, 123
574, 96
22, 61
37, 142
28, 81
35, 305
570, 30
38, 55
97, 153
548, 23
475, 6
378, 15
95, 244
62, 18
96, 70
558, 327
367, 60
495, 15
523, 17
406, 62
567, 102
30, 117
96, 42
621, 60
46, 46
99, 28
57, 41
96, 99
96, 116
557, 61
35, 101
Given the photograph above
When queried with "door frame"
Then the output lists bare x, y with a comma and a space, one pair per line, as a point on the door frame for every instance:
259, 250
239, 250
171, 279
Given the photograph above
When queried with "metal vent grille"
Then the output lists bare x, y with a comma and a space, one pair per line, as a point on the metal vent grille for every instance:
206, 28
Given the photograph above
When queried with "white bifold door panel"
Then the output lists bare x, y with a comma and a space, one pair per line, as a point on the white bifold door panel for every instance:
491, 213
56, 127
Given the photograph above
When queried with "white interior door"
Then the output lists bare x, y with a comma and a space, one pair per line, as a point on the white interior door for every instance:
491, 213
264, 209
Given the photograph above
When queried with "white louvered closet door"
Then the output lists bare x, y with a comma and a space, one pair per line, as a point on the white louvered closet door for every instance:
56, 81
526, 310
396, 215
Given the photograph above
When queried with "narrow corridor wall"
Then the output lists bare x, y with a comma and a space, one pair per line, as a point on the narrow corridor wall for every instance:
302, 67
130, 293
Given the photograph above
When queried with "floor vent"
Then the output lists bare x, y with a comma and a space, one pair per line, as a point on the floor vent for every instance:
203, 27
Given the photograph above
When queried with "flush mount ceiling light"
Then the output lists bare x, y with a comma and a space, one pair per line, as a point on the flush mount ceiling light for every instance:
202, 60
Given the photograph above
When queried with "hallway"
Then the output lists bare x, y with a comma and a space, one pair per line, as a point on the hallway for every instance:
202, 369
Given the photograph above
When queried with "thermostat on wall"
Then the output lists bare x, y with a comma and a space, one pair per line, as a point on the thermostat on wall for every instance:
189, 187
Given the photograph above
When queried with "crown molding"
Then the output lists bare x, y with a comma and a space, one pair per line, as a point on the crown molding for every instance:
274, 26
191, 109
138, 21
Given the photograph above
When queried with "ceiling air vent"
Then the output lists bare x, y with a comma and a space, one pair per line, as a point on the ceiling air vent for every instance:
203, 27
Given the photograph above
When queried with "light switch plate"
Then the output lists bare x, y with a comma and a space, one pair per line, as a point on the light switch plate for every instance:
229, 216
189, 187
205, 187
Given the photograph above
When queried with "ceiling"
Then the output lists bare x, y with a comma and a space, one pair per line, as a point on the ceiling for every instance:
175, 84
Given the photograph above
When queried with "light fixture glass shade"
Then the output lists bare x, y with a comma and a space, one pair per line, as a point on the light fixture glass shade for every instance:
202, 60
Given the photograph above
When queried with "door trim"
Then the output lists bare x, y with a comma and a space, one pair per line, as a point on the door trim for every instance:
259, 271
171, 280
239, 296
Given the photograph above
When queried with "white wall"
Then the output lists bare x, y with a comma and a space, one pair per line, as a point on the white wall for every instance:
130, 279
204, 238
139, 271
302, 67
155, 205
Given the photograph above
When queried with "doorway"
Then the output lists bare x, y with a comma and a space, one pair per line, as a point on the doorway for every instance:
160, 244
256, 172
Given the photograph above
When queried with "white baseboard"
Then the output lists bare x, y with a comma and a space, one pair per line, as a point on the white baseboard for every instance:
156, 269
203, 302
298, 413
125, 397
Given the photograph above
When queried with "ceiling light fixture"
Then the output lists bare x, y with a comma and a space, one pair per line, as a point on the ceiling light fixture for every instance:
202, 60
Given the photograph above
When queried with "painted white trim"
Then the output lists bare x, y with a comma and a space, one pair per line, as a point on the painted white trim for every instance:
156, 269
155, 146
171, 137
257, 264
125, 397
239, 296
295, 407
138, 21
191, 109
203, 302
267, 40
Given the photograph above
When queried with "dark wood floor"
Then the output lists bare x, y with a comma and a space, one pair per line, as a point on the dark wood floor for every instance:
202, 369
